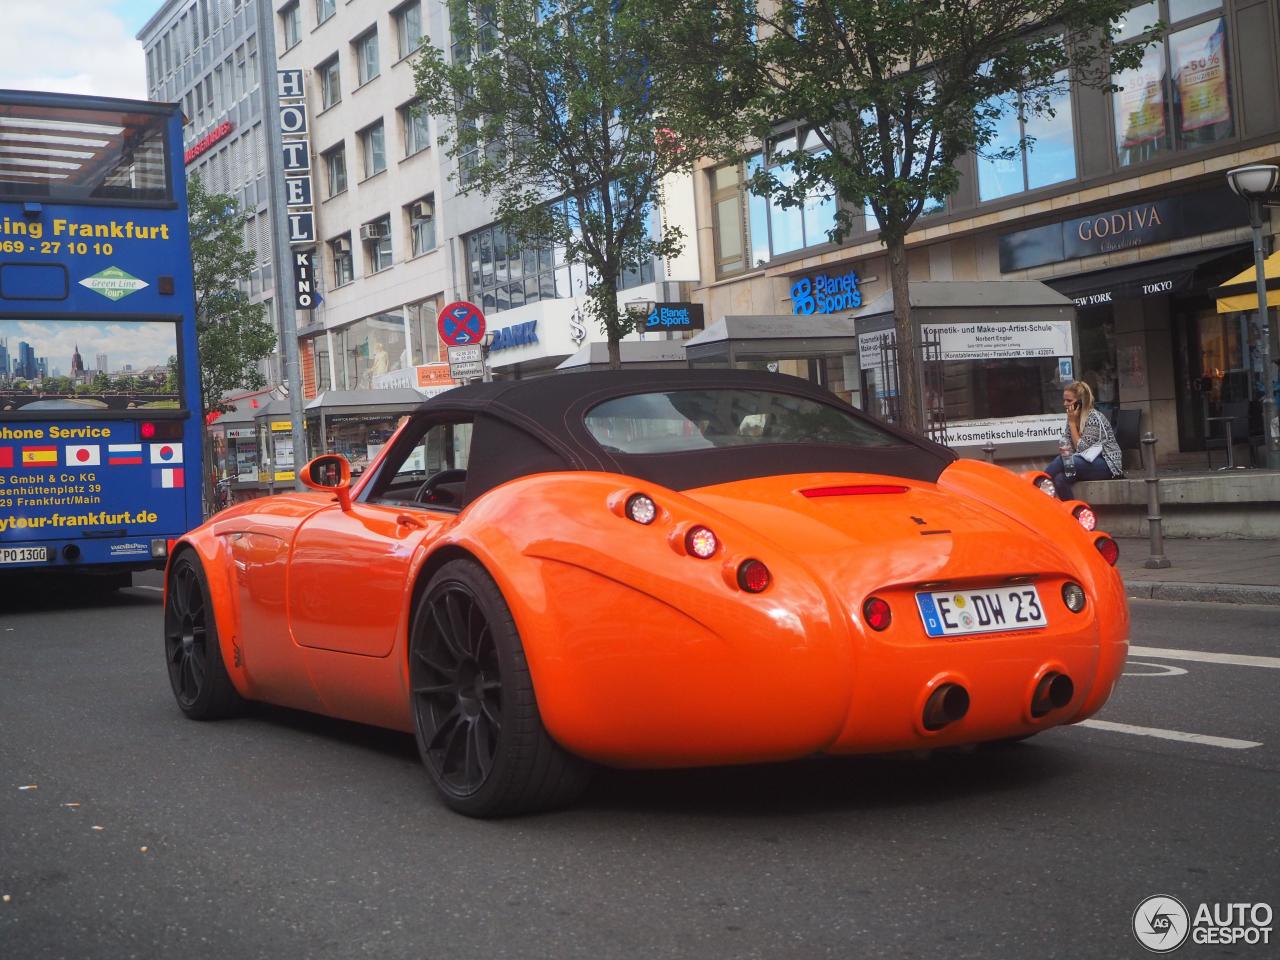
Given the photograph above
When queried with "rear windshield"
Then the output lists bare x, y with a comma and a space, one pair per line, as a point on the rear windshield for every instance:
680, 420
72, 154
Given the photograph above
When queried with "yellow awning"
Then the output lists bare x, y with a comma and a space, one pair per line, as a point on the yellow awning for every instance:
1246, 280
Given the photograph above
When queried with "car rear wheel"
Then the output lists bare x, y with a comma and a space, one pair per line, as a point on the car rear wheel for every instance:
196, 670
475, 715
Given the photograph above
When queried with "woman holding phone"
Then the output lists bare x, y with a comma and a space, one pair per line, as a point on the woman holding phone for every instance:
1088, 447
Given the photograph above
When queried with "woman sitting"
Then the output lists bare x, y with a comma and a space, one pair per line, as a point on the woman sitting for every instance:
1088, 444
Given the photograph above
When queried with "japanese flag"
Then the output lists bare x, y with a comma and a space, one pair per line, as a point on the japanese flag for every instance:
167, 453
83, 456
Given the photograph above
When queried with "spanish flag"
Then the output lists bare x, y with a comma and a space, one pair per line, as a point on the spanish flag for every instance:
39, 456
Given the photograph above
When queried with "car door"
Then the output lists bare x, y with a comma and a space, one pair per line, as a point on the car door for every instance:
349, 572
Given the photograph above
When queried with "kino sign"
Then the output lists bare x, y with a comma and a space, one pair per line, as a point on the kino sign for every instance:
296, 154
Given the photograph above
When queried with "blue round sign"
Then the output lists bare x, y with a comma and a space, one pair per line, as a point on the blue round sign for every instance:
460, 323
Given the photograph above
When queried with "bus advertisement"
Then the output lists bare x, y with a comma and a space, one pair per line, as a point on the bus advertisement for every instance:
100, 414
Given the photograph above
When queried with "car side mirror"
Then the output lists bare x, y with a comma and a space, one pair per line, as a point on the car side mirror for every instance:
330, 471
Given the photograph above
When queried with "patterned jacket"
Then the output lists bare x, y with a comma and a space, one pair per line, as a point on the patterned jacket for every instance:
1097, 429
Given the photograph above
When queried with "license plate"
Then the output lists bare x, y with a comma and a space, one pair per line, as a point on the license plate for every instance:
24, 554
953, 612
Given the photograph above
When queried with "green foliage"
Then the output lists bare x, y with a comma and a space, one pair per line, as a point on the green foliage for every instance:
578, 104
895, 91
233, 334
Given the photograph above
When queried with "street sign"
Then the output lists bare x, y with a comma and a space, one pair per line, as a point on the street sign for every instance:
467, 361
461, 323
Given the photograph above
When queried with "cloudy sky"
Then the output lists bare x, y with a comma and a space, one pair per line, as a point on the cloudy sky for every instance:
75, 46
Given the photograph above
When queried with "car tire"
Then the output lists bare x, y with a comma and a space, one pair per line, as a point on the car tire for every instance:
197, 672
476, 718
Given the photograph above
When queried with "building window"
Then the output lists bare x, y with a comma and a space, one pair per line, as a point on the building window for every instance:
343, 261
376, 236
422, 225
426, 335
321, 355
291, 26
1179, 97
335, 168
1035, 151
330, 83
369, 348
366, 57
780, 229
325, 9
416, 128
728, 206
408, 28
373, 148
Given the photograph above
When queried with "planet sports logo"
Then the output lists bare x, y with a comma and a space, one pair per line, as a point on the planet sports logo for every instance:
826, 294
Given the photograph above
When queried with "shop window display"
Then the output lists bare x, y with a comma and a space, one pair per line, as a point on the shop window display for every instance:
369, 348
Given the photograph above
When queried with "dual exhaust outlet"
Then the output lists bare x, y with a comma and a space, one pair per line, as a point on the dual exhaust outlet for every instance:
950, 701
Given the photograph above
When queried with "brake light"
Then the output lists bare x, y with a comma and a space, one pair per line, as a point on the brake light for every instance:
1109, 549
877, 613
861, 489
147, 431
753, 576
1088, 519
163, 430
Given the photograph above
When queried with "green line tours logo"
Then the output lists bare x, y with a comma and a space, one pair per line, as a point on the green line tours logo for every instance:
113, 283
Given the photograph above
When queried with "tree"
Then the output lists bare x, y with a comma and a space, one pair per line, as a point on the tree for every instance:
894, 90
564, 111
232, 333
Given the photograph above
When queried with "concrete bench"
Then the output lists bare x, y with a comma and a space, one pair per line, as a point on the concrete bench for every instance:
1231, 503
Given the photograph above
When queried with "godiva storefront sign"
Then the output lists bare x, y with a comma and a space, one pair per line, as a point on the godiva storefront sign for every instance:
1106, 231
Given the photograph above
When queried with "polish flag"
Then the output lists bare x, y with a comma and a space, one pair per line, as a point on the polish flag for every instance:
168, 477
6, 458
119, 454
83, 456
166, 453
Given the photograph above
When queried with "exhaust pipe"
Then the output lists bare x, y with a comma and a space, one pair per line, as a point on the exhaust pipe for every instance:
947, 704
1053, 692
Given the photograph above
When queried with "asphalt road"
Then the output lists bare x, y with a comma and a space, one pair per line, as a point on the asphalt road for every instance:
128, 831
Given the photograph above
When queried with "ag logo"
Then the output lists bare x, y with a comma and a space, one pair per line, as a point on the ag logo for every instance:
1161, 923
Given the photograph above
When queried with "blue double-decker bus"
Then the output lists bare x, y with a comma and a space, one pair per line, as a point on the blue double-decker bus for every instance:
100, 414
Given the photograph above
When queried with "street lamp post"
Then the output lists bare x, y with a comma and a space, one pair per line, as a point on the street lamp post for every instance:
1257, 184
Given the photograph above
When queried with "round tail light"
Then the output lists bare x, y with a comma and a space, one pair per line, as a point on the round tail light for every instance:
701, 543
1046, 487
1088, 519
641, 508
1109, 549
753, 576
1073, 597
877, 613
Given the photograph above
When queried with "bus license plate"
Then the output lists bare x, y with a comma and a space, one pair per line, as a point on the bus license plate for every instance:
24, 554
955, 612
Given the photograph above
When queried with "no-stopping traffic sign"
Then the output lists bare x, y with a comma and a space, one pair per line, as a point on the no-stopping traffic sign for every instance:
460, 323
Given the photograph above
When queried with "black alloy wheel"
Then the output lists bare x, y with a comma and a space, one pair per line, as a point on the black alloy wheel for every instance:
196, 670
475, 715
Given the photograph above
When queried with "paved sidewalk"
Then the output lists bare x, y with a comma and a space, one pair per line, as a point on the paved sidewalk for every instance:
1209, 571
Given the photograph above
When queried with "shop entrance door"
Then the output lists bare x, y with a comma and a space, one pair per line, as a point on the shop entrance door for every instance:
1210, 367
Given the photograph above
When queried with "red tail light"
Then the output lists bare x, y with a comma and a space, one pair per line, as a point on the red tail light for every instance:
753, 576
1109, 549
862, 489
877, 613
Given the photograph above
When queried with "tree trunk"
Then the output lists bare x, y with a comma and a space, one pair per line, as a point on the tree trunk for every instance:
606, 302
910, 411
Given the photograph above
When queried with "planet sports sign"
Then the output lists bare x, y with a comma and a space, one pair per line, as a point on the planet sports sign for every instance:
825, 294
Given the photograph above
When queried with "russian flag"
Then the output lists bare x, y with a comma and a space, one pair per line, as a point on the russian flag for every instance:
167, 477
119, 454
166, 453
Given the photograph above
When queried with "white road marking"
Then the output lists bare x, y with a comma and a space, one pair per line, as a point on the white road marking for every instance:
145, 587
1204, 656
1200, 738
1161, 669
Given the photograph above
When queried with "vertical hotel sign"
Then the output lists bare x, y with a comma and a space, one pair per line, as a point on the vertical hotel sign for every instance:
300, 212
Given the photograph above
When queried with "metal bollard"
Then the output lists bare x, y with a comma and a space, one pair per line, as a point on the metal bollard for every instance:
1157, 560
989, 451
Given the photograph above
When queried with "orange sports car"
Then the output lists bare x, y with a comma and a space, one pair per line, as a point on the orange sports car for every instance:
654, 569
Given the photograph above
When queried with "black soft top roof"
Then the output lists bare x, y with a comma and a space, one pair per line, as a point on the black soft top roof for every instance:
533, 426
